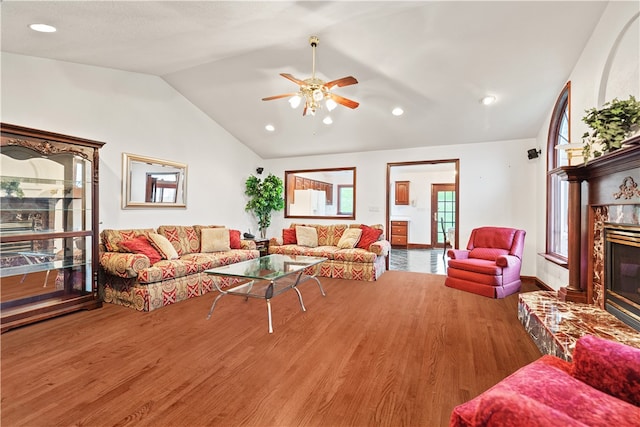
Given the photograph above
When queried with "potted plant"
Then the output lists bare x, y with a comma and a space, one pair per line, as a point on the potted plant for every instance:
11, 186
265, 196
610, 126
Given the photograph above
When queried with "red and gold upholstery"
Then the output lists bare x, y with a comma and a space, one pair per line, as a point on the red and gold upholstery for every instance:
354, 264
129, 279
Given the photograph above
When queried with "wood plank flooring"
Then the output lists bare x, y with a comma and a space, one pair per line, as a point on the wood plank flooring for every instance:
400, 351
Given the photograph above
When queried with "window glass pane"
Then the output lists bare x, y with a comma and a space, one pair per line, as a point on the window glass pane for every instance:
558, 189
345, 202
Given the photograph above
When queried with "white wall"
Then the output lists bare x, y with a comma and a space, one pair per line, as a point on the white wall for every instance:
608, 67
497, 185
138, 114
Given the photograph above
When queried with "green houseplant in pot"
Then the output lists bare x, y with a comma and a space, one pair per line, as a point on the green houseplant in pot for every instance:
265, 196
610, 126
11, 186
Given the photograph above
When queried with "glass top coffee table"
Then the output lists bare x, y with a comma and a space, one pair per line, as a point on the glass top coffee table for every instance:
267, 277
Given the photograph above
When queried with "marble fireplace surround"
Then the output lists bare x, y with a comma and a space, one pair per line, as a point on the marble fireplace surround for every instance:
612, 186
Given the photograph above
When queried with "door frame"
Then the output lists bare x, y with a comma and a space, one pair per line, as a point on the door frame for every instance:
422, 163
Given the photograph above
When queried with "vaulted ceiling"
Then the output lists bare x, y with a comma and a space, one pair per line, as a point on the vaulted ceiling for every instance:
434, 59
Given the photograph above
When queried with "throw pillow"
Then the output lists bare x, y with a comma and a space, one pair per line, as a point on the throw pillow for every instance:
289, 236
163, 245
369, 236
141, 245
234, 239
215, 240
307, 236
350, 238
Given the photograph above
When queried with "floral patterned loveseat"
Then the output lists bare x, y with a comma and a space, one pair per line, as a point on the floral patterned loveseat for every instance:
133, 280
366, 261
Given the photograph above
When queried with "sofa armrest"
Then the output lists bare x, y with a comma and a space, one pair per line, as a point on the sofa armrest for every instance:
507, 261
380, 247
123, 264
502, 408
611, 367
458, 254
248, 244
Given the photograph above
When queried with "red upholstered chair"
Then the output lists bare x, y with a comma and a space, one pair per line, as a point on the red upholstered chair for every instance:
491, 264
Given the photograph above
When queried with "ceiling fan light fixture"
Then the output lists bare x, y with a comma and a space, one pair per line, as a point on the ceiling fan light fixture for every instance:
317, 95
295, 100
314, 90
488, 100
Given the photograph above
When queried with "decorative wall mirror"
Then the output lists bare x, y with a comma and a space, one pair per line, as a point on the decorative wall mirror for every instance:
153, 183
320, 193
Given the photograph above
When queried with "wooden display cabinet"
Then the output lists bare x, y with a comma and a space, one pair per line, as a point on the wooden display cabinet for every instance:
48, 225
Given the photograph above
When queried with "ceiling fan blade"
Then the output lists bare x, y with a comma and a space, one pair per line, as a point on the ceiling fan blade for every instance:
344, 101
345, 81
270, 98
293, 79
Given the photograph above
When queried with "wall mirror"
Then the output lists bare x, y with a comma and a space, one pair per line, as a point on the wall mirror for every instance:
153, 183
320, 193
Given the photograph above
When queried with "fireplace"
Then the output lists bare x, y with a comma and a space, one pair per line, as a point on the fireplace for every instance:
622, 272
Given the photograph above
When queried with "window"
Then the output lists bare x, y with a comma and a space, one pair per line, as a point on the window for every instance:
558, 189
345, 199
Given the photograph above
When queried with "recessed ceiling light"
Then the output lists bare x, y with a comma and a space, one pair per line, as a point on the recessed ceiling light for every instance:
397, 111
43, 28
327, 120
488, 100
270, 127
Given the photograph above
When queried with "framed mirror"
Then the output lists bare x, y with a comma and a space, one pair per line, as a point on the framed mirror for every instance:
153, 183
320, 193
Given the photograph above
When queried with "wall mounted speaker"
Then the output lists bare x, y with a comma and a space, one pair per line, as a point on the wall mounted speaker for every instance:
533, 153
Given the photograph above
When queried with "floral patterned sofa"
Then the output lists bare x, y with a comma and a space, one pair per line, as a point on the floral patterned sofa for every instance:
366, 259
147, 280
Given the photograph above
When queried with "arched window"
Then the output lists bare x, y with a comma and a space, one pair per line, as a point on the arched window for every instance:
558, 189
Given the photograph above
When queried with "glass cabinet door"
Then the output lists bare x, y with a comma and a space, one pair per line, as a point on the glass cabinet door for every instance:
47, 225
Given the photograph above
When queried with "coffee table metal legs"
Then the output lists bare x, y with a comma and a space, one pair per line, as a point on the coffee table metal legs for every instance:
268, 295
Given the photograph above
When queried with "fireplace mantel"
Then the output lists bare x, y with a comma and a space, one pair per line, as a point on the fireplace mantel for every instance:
611, 184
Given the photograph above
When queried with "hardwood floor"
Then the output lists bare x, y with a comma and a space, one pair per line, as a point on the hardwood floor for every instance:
400, 351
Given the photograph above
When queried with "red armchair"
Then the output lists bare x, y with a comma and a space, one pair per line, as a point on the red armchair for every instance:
490, 266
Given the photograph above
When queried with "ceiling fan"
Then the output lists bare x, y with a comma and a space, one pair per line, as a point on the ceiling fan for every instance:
313, 90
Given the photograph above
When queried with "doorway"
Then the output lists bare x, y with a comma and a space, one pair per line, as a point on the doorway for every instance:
423, 227
443, 212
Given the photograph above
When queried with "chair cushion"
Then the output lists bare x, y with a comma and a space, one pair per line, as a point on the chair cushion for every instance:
476, 265
490, 254
493, 237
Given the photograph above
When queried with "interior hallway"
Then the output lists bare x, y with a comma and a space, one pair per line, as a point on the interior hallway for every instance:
418, 260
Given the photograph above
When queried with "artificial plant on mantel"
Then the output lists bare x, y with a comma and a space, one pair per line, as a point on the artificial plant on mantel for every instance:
610, 126
265, 196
